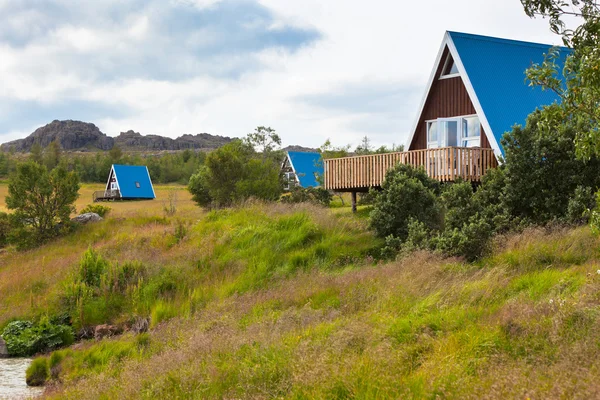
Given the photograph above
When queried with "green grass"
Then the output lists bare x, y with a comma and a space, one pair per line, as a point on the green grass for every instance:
274, 301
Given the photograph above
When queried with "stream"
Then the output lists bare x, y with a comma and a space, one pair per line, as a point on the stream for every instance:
12, 380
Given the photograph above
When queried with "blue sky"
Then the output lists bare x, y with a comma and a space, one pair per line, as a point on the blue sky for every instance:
311, 69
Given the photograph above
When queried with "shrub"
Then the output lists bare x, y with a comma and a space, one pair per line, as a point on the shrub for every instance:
38, 372
4, 229
542, 169
41, 200
25, 338
307, 195
580, 205
470, 241
97, 209
408, 193
233, 173
91, 268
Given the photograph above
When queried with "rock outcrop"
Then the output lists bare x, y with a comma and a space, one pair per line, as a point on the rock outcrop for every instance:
86, 218
131, 140
82, 136
71, 135
106, 331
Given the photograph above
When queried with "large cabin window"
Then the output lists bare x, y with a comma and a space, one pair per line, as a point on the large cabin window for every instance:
454, 132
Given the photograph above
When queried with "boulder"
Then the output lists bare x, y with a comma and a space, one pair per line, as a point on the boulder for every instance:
106, 331
3, 348
87, 218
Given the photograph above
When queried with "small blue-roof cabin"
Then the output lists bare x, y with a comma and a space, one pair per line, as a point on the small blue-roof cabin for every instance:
127, 182
476, 92
302, 169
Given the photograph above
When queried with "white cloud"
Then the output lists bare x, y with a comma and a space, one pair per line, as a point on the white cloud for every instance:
173, 82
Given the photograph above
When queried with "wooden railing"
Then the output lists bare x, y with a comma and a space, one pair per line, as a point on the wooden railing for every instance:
444, 164
106, 195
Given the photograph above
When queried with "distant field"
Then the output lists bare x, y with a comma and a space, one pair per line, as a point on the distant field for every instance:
124, 208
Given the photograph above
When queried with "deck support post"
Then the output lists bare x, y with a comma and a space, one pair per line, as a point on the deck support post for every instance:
353, 202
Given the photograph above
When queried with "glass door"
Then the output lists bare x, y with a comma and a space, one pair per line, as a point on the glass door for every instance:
449, 129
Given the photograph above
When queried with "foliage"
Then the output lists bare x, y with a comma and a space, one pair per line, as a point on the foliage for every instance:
26, 338
170, 205
4, 229
580, 205
327, 150
42, 199
407, 193
575, 76
233, 173
97, 209
264, 140
299, 194
91, 268
541, 170
38, 372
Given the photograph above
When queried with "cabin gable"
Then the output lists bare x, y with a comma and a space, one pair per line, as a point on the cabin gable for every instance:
447, 97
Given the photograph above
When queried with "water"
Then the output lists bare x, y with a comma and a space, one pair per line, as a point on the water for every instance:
12, 380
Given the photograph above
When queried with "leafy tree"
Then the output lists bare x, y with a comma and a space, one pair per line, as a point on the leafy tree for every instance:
327, 150
364, 147
264, 140
575, 77
115, 154
37, 153
52, 155
541, 168
235, 172
42, 199
4, 229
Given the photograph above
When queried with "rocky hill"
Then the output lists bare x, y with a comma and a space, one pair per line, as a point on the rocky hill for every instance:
82, 136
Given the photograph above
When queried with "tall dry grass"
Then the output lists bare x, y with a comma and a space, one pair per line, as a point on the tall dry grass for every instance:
516, 326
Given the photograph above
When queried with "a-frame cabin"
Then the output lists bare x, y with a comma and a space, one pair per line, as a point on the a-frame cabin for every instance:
476, 92
127, 182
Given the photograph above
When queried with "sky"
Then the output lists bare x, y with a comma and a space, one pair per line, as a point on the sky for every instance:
311, 69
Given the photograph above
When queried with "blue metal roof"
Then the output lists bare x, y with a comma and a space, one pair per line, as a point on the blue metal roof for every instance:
496, 69
307, 166
130, 177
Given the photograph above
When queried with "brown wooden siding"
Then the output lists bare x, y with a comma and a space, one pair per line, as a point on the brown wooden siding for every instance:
447, 98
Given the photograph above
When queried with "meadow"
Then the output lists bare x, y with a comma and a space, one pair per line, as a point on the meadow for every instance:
291, 301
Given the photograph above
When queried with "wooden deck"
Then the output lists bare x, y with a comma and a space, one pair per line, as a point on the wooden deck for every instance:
106, 195
446, 164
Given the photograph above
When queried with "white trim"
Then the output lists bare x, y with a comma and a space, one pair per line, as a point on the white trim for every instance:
294, 169
112, 171
447, 42
471, 91
429, 85
150, 179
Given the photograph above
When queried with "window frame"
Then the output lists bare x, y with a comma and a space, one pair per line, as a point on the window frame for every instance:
448, 76
462, 139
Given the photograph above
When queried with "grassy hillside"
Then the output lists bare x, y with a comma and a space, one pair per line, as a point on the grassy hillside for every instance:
274, 301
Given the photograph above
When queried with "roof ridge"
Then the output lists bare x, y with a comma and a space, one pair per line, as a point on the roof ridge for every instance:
504, 40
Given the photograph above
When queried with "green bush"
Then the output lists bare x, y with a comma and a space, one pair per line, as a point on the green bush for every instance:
580, 205
408, 193
236, 172
26, 338
38, 372
4, 229
542, 169
91, 268
97, 209
307, 195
